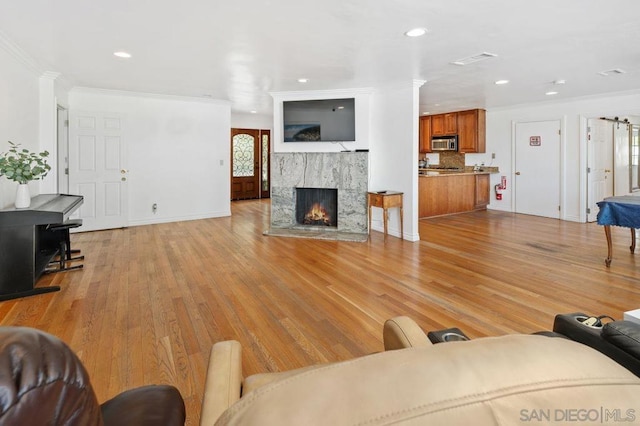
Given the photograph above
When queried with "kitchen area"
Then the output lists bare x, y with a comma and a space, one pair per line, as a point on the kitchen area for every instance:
451, 186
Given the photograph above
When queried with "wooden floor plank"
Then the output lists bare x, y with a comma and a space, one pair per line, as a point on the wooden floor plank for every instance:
152, 300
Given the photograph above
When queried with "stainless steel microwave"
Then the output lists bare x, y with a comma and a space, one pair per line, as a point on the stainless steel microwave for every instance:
444, 143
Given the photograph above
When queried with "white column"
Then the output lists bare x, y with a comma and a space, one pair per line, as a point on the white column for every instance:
48, 130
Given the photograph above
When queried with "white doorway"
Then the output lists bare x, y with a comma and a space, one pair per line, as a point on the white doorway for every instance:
63, 150
621, 159
537, 168
97, 169
599, 164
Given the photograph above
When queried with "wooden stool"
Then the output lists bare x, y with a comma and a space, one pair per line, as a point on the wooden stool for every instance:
385, 200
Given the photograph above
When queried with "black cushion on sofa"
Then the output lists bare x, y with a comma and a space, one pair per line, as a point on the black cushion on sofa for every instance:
625, 335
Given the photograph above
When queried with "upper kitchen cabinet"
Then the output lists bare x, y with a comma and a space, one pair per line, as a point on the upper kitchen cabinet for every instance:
471, 131
425, 134
444, 124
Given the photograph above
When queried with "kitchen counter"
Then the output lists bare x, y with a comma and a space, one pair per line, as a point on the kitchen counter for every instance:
434, 172
442, 192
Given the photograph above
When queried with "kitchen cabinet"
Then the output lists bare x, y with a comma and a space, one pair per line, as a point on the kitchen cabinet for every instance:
483, 192
452, 193
444, 124
471, 131
425, 134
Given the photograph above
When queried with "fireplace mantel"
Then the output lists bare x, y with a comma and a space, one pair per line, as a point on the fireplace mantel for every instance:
348, 172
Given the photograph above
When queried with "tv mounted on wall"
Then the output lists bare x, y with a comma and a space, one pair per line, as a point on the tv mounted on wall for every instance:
320, 120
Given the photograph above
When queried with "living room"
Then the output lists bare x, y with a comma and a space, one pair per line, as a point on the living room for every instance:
156, 293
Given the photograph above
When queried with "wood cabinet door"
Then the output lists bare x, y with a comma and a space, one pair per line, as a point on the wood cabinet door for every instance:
483, 193
450, 123
444, 124
437, 125
425, 134
471, 131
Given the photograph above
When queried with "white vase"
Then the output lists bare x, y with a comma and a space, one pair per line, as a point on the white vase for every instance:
23, 198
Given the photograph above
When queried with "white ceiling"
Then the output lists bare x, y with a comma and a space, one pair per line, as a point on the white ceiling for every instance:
241, 50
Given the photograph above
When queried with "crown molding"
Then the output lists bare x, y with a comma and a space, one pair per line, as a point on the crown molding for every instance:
20, 55
50, 75
112, 92
321, 94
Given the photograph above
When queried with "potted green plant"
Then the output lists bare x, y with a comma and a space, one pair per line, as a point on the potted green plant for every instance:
23, 166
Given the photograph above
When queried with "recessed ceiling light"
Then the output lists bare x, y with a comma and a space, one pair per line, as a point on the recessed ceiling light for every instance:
416, 32
122, 54
551, 93
475, 58
425, 113
254, 111
499, 82
303, 80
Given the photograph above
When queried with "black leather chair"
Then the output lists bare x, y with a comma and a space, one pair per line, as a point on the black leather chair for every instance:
42, 382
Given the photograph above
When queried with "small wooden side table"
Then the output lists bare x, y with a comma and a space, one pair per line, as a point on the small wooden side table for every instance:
385, 200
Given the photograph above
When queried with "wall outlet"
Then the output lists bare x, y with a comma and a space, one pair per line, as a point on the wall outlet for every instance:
493, 155
222, 162
154, 208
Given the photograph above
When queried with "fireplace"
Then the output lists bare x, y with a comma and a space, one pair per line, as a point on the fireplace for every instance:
344, 173
317, 207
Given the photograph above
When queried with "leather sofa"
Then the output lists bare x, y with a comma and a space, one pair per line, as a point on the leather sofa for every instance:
619, 340
514, 379
42, 382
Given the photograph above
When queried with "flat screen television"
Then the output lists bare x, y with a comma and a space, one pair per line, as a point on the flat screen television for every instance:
320, 120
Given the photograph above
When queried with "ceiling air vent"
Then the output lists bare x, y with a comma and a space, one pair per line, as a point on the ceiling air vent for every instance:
475, 58
615, 71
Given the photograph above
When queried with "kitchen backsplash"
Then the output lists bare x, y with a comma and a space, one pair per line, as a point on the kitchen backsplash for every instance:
452, 159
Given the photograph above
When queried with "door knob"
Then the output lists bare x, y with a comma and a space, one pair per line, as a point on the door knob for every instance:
123, 171
123, 179
607, 171
517, 173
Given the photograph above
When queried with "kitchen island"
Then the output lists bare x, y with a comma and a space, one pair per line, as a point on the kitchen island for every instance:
442, 192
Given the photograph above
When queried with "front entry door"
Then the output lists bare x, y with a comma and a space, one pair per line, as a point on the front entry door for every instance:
537, 168
245, 164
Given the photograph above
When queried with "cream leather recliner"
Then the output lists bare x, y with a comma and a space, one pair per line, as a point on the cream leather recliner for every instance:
514, 379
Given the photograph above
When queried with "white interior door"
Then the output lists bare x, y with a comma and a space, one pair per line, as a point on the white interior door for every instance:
97, 169
599, 164
537, 168
621, 160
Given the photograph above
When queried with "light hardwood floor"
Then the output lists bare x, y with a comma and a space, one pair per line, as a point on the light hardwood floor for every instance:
153, 299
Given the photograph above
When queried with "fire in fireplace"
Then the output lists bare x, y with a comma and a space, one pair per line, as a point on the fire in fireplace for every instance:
317, 206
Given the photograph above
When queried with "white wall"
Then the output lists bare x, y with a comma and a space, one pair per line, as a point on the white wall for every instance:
394, 153
252, 121
573, 114
19, 113
178, 153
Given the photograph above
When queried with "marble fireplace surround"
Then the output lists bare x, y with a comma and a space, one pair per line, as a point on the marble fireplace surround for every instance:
348, 172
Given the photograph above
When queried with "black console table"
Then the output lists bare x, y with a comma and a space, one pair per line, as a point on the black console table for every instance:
27, 246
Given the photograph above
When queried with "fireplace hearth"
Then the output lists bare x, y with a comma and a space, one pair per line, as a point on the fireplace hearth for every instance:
317, 207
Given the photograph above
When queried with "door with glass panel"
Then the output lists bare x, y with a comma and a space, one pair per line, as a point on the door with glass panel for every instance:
250, 163
265, 163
